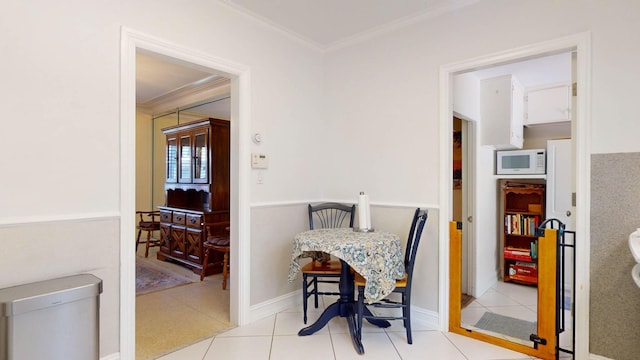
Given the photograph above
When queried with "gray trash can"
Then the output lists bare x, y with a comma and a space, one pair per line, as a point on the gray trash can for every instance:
55, 319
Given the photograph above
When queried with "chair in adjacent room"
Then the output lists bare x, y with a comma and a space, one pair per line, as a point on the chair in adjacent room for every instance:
403, 286
149, 222
321, 269
217, 240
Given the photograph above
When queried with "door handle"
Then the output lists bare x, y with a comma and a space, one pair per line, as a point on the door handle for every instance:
568, 213
470, 219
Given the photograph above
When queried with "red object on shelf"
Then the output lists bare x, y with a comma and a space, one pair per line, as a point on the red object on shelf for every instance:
522, 254
517, 257
523, 273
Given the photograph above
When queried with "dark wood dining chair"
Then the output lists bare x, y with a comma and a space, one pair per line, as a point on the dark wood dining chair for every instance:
403, 286
322, 269
217, 241
149, 222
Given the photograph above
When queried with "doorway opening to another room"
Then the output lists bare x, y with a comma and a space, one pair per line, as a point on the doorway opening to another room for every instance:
132, 42
477, 206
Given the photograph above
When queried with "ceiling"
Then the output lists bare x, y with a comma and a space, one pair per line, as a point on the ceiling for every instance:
320, 23
156, 78
329, 22
324, 23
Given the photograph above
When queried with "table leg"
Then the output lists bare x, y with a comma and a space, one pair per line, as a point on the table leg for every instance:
344, 307
341, 308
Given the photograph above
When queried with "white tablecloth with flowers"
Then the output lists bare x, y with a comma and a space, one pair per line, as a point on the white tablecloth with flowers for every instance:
377, 256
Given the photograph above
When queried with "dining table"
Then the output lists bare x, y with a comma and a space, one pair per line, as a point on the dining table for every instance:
376, 255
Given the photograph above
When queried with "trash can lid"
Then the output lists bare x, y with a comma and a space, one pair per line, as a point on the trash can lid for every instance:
43, 294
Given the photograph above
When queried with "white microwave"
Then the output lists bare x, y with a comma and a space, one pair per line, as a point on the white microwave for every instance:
521, 162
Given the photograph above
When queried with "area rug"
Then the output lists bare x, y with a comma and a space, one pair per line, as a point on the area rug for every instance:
150, 278
501, 324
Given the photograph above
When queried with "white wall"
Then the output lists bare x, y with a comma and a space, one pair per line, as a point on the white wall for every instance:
384, 91
144, 166
375, 102
61, 87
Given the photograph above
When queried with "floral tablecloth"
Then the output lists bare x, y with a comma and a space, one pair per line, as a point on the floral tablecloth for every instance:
377, 256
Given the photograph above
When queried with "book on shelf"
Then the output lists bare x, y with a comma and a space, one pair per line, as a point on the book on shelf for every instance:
520, 224
527, 264
517, 251
534, 249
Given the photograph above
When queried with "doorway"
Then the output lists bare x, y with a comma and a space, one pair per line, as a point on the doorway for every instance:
131, 42
580, 44
196, 308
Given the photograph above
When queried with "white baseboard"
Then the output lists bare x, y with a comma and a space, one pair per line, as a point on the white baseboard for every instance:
428, 318
114, 356
276, 305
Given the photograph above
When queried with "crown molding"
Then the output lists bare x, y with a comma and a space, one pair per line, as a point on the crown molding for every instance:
357, 38
211, 87
299, 38
398, 24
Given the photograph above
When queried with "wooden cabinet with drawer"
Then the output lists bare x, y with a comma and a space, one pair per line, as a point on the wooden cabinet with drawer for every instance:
196, 190
182, 232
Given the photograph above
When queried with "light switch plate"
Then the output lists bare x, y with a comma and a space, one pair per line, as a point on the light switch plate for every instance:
259, 161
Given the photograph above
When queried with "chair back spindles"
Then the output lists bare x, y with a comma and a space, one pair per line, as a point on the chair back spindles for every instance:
330, 215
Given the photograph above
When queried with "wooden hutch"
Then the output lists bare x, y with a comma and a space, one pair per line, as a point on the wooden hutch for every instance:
196, 190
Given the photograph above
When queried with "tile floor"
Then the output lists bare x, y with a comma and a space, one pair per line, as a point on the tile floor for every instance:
513, 300
508, 299
276, 338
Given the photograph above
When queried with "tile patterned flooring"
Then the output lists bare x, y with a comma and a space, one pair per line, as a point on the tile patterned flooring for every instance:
276, 338
508, 299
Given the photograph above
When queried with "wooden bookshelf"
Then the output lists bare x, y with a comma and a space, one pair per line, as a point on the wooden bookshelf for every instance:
523, 212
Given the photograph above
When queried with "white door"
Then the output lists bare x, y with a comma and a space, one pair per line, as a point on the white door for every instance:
559, 182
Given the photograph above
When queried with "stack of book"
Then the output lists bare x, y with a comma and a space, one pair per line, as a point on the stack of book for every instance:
519, 224
517, 253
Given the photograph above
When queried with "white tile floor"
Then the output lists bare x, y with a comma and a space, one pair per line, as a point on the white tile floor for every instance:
513, 300
508, 299
276, 338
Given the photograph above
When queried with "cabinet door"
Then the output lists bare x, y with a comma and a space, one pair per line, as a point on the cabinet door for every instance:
185, 159
501, 109
177, 241
193, 245
516, 135
172, 160
201, 156
165, 238
549, 105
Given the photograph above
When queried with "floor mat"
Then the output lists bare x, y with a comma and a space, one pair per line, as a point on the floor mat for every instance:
501, 324
150, 278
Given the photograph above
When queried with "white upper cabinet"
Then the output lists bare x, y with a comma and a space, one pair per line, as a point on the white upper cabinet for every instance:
501, 112
548, 105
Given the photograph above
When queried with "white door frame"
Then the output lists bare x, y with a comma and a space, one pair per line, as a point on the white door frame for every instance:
582, 44
239, 74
